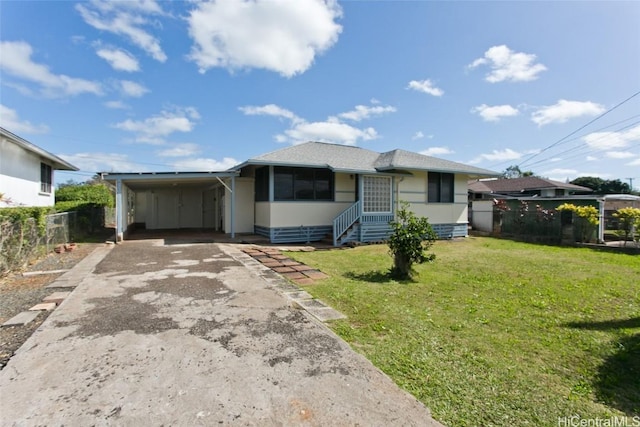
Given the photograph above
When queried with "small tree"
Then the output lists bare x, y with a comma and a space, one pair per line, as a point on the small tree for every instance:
587, 219
629, 221
411, 237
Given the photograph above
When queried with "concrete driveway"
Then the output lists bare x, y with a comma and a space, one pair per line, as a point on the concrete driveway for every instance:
191, 334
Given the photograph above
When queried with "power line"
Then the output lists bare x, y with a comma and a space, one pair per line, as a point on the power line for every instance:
583, 145
578, 130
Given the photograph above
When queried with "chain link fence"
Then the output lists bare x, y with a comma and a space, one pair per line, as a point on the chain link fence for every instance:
21, 242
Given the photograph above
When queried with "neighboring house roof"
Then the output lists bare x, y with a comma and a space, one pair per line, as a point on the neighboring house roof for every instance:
56, 162
344, 158
515, 185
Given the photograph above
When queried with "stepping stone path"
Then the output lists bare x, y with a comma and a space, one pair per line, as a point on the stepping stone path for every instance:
299, 274
48, 304
288, 268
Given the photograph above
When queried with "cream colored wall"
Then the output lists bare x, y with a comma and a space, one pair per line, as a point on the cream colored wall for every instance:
244, 209
292, 214
263, 214
414, 190
345, 187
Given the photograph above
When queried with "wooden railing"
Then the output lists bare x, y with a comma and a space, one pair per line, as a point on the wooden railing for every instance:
345, 220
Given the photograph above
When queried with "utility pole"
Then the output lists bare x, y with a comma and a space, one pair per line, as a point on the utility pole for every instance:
631, 183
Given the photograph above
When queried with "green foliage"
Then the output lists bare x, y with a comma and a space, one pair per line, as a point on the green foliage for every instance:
629, 220
411, 237
514, 171
602, 186
23, 214
98, 194
587, 219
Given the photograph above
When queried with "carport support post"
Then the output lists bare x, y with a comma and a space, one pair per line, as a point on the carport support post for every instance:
233, 206
119, 205
601, 221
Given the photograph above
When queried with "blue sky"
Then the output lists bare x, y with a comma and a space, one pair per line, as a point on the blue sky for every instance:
161, 86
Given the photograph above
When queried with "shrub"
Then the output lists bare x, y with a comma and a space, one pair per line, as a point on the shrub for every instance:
629, 219
587, 219
411, 237
98, 194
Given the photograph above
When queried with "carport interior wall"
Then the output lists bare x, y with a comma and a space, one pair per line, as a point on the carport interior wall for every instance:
209, 205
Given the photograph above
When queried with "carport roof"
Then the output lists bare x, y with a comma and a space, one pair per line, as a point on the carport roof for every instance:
148, 180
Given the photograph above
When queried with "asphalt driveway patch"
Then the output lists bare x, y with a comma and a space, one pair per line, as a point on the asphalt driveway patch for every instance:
187, 335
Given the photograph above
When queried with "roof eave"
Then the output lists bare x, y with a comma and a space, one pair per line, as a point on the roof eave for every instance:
56, 162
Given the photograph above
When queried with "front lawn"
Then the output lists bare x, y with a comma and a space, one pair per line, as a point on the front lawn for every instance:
495, 332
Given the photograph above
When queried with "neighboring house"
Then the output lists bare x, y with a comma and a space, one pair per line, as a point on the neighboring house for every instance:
27, 172
530, 186
302, 193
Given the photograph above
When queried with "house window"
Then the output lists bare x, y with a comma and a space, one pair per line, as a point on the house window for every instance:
376, 194
262, 184
440, 189
302, 184
559, 192
46, 176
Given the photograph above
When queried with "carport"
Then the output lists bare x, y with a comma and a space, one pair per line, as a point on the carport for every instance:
181, 200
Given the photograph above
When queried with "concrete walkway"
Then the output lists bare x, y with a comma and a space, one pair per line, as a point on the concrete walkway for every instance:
191, 334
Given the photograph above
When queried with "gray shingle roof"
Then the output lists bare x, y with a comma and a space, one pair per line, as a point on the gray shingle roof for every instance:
521, 184
344, 158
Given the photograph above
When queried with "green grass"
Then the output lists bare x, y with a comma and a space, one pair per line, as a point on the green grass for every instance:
495, 332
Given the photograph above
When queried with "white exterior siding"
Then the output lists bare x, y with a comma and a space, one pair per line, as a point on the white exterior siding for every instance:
20, 176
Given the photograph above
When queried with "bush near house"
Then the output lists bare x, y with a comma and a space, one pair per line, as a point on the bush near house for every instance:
22, 229
88, 201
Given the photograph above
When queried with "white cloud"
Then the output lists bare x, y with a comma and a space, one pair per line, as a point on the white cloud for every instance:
612, 140
564, 110
636, 162
619, 154
269, 110
15, 59
327, 131
125, 18
425, 86
205, 164
507, 65
498, 155
437, 151
180, 150
116, 105
132, 89
591, 158
102, 162
330, 130
495, 113
155, 129
13, 123
362, 112
119, 59
277, 35
564, 175
417, 135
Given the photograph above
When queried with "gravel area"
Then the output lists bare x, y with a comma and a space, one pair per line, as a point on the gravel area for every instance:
22, 290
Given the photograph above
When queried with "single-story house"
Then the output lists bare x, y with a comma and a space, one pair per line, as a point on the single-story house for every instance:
529, 186
27, 172
301, 193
